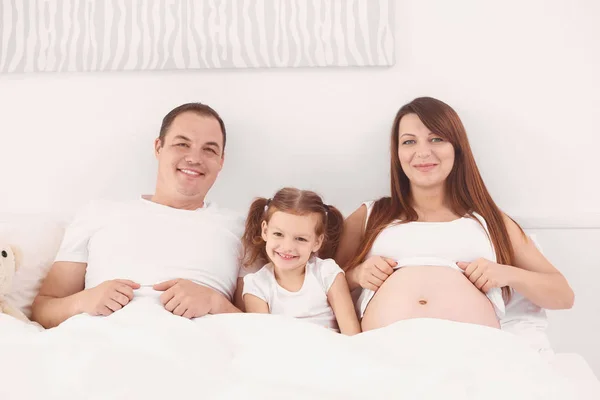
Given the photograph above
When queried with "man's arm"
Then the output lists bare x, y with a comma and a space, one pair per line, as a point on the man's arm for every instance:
62, 295
59, 297
223, 306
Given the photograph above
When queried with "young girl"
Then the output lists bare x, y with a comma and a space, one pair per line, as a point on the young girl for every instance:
294, 235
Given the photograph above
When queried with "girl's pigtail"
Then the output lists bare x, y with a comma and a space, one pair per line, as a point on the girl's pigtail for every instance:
334, 224
252, 242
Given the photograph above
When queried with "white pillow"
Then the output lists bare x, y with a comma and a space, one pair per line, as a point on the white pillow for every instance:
528, 321
36, 238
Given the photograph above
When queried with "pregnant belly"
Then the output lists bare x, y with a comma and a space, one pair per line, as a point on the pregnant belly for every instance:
428, 292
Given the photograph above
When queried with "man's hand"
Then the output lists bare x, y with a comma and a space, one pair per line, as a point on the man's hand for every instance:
107, 297
187, 299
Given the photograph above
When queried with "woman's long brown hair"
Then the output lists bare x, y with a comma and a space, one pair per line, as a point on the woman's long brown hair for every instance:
293, 201
465, 191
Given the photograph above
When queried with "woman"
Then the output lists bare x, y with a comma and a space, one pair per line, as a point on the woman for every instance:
439, 244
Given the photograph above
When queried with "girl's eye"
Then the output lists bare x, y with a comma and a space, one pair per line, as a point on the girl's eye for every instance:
277, 234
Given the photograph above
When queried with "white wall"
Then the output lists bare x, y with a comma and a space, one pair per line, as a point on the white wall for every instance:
523, 76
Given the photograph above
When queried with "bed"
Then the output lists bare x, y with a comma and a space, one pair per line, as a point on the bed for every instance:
143, 351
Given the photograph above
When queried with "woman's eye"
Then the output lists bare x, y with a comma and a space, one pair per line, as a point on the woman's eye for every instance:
409, 142
437, 140
301, 239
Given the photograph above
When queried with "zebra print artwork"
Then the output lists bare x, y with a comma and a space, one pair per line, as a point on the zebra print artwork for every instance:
131, 35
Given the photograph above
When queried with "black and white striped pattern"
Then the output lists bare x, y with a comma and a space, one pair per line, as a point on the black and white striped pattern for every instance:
109, 35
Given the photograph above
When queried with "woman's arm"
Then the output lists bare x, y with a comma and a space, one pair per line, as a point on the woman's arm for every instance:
371, 273
534, 276
352, 235
343, 308
255, 305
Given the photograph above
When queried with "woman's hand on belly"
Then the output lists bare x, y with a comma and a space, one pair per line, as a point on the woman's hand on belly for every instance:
486, 274
371, 273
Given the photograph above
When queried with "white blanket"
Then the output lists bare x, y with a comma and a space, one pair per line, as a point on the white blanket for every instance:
144, 352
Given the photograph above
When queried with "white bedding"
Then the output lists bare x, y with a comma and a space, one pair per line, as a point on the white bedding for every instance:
144, 352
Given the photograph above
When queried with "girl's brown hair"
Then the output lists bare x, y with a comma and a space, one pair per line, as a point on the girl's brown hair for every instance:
293, 201
465, 191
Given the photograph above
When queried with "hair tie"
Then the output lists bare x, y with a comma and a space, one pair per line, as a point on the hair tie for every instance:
326, 209
267, 205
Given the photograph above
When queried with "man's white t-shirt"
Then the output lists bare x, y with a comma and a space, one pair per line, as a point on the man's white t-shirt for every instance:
309, 303
149, 243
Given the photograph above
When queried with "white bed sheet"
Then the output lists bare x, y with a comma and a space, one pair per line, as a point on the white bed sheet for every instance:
145, 352
574, 367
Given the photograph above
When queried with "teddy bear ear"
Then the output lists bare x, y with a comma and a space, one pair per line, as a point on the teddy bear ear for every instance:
18, 256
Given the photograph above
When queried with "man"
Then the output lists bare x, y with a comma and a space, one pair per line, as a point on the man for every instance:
173, 243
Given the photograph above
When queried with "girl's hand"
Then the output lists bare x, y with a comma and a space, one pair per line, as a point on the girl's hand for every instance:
486, 274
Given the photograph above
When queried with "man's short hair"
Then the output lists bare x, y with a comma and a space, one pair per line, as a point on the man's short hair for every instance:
197, 108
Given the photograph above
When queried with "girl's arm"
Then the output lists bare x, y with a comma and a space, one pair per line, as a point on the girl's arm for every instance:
255, 305
343, 308
534, 276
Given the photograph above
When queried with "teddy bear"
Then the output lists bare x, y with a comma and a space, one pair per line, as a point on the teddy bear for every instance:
8, 266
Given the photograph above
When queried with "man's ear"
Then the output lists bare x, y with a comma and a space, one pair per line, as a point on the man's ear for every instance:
157, 146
